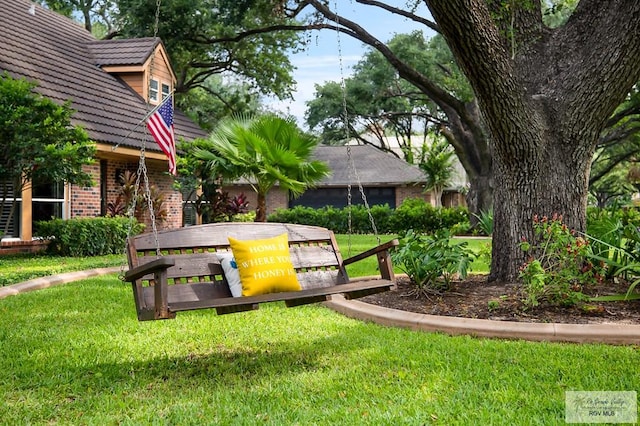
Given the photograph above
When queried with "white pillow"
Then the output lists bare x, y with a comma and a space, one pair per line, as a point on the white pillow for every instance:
230, 269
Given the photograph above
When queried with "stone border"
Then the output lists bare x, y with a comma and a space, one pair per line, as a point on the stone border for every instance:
53, 280
619, 334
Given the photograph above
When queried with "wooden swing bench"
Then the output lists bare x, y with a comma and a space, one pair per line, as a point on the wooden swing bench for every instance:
188, 274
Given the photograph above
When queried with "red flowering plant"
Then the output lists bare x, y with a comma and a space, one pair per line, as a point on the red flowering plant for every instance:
558, 267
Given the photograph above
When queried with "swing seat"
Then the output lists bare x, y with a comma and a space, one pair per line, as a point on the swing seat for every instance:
188, 274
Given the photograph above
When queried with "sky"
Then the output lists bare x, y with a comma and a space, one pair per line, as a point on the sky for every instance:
321, 60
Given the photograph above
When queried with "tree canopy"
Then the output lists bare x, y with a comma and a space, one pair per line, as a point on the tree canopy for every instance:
39, 144
265, 150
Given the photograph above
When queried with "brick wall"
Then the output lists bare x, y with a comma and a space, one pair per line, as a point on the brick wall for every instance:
15, 247
86, 202
404, 192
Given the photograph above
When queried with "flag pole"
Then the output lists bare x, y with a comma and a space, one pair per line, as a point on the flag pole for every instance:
146, 117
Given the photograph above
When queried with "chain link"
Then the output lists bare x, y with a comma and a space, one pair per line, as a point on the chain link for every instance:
142, 172
352, 170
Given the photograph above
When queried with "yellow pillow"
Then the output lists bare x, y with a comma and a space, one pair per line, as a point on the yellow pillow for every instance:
264, 265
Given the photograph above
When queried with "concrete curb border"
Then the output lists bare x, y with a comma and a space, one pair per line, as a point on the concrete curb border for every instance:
53, 280
619, 334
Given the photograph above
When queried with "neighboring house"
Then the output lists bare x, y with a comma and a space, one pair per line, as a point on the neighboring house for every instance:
385, 179
453, 194
108, 83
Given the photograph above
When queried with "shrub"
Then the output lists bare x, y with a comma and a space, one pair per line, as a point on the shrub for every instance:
431, 261
616, 247
416, 214
413, 213
87, 236
559, 265
485, 221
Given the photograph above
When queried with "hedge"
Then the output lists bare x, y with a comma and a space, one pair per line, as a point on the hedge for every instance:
413, 213
94, 236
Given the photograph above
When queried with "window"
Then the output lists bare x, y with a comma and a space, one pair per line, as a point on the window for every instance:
166, 90
153, 90
337, 197
47, 201
11, 228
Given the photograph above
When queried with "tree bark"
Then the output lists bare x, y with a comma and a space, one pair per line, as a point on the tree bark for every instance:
545, 95
261, 208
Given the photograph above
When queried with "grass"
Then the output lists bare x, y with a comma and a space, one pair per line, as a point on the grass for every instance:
75, 354
19, 268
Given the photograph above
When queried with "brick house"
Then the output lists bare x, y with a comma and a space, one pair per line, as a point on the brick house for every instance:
108, 83
385, 178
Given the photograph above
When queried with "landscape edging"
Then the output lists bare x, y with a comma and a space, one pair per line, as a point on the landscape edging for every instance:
619, 334
53, 280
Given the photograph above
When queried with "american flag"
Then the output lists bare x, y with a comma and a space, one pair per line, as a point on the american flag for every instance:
160, 124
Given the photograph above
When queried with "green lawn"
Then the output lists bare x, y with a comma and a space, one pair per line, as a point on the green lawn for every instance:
75, 354
19, 268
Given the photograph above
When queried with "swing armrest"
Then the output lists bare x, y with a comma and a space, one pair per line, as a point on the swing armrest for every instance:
152, 267
383, 255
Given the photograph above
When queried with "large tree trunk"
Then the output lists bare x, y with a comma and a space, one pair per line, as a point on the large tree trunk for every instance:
544, 95
555, 184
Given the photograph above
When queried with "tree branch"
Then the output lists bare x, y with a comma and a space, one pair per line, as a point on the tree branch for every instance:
402, 12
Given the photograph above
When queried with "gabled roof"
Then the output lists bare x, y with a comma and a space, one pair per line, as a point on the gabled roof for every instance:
64, 59
123, 52
373, 167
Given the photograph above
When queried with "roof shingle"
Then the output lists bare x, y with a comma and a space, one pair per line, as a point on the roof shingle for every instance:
122, 52
64, 59
372, 166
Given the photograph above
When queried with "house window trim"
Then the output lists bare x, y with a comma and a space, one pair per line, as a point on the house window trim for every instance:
154, 93
164, 94
158, 94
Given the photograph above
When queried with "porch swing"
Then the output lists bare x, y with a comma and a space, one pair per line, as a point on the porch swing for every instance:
215, 266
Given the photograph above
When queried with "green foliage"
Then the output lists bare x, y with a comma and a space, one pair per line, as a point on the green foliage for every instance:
380, 103
265, 150
558, 266
436, 161
485, 221
38, 142
231, 98
87, 236
556, 12
199, 37
244, 217
615, 244
431, 262
417, 214
413, 213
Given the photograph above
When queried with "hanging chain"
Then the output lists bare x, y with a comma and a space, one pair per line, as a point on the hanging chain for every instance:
143, 165
142, 172
352, 170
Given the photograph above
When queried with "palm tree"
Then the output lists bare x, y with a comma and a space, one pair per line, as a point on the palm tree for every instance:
437, 160
265, 150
